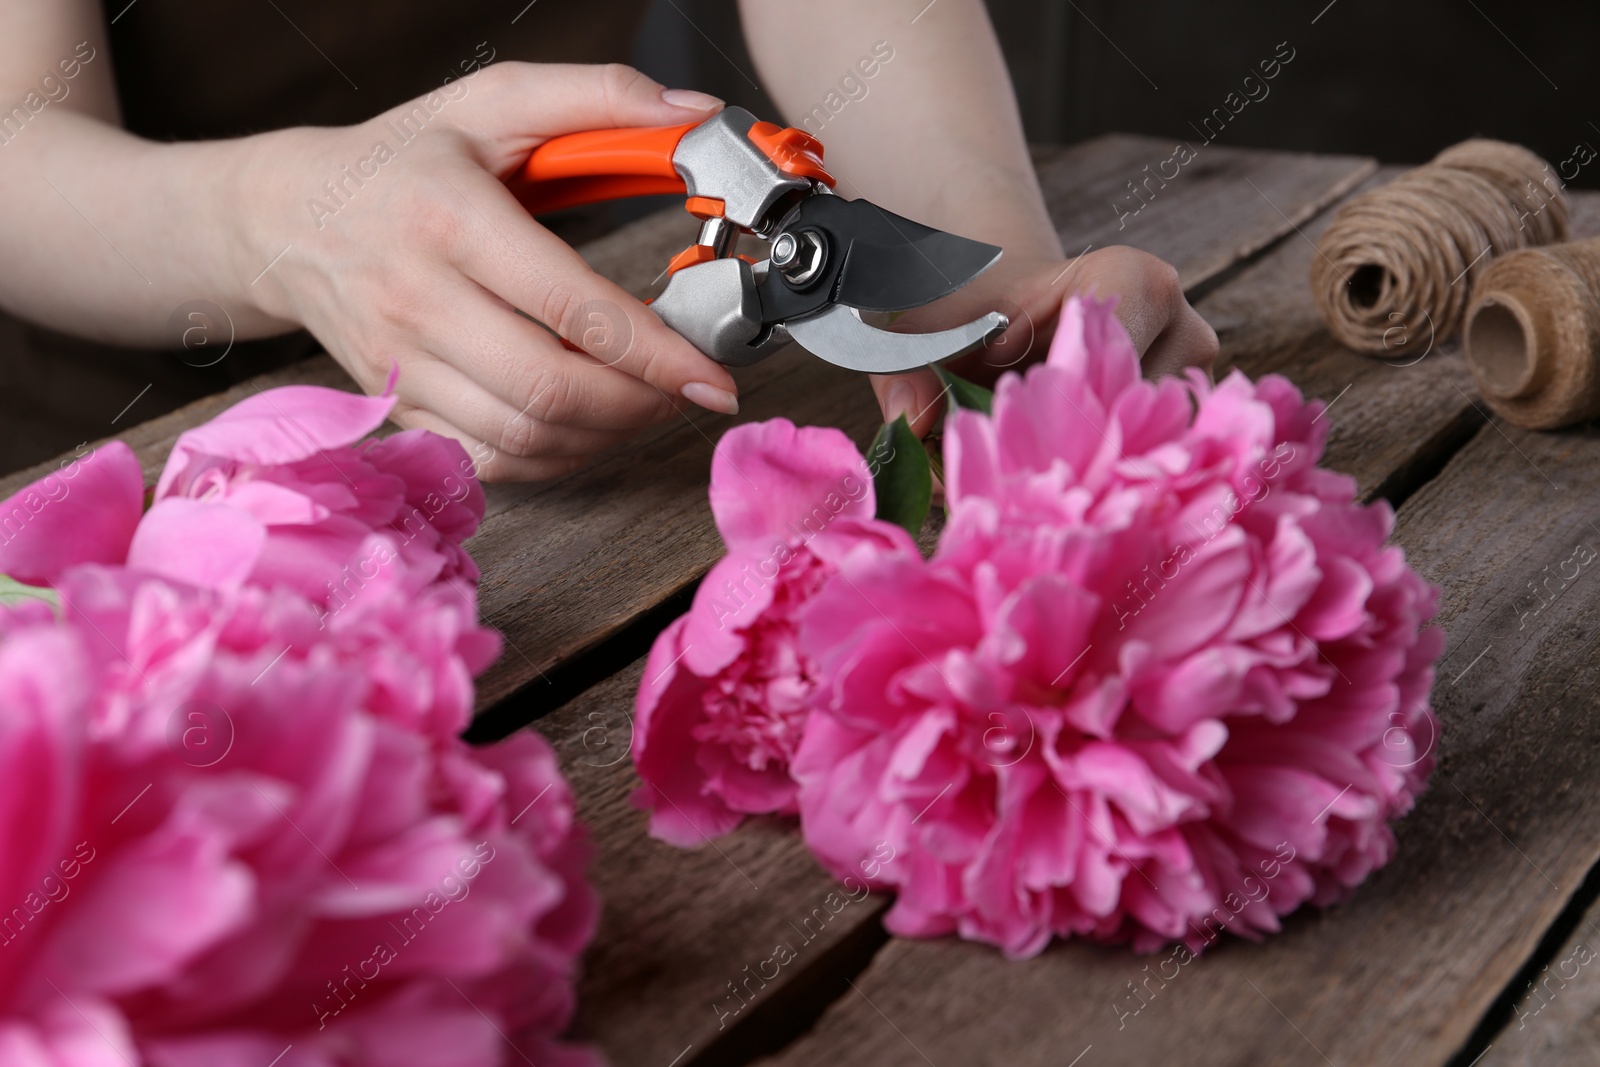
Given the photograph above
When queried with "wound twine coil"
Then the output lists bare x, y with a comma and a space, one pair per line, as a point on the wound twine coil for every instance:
1533, 335
1400, 261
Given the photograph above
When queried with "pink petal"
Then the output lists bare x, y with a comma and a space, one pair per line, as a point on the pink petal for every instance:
1196, 605
439, 477
1051, 618
1339, 605
732, 598
84, 513
231, 1049
770, 480
667, 710
152, 907
971, 454
280, 425
273, 504
213, 546
1090, 340
80, 1030
45, 694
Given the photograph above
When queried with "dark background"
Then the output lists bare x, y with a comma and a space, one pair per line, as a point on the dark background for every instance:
1391, 79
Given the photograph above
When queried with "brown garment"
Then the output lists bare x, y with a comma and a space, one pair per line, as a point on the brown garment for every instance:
196, 69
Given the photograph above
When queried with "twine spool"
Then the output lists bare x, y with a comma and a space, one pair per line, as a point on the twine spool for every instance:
1533, 335
1401, 260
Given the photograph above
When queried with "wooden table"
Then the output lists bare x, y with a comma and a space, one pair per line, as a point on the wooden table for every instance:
1495, 882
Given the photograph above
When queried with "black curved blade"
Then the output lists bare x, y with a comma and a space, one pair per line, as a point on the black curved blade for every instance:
894, 263
877, 261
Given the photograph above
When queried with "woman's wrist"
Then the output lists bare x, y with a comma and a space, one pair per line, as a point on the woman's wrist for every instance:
261, 176
1001, 205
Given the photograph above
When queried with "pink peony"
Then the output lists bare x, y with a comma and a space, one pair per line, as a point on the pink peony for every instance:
237, 823
726, 690
277, 492
218, 851
331, 514
1161, 677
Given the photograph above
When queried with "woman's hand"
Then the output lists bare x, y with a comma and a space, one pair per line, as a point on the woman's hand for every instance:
1168, 333
401, 247
932, 132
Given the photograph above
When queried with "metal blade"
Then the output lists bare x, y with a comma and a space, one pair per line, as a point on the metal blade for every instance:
873, 259
838, 335
893, 263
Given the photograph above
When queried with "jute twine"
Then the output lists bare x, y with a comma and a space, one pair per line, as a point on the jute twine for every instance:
1401, 260
1533, 335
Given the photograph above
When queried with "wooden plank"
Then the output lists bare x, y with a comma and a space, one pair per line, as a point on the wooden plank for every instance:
1553, 1021
1403, 972
1399, 414
685, 935
1110, 192
569, 564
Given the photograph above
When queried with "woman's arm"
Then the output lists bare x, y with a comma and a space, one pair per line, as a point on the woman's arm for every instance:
392, 247
98, 238
934, 135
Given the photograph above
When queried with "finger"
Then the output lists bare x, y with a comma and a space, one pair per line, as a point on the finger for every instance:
1168, 334
917, 395
511, 107
493, 465
1148, 293
527, 368
438, 387
1188, 341
530, 268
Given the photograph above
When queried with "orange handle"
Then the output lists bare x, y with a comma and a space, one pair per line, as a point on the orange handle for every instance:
583, 168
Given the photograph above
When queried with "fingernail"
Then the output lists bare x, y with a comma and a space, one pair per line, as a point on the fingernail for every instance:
900, 401
691, 100
711, 398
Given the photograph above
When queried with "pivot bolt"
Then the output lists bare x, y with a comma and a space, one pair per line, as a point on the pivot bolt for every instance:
784, 250
799, 255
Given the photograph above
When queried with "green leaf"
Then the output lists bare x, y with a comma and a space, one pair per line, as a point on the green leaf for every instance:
965, 394
935, 451
901, 477
14, 592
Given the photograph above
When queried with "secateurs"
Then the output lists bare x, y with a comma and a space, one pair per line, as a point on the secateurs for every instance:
830, 258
